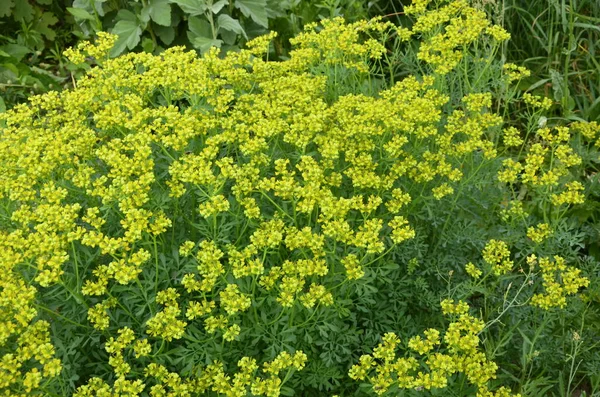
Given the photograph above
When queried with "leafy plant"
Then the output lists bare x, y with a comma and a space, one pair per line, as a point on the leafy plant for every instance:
30, 49
234, 225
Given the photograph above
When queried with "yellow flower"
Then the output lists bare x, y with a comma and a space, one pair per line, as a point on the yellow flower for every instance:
472, 270
539, 233
497, 255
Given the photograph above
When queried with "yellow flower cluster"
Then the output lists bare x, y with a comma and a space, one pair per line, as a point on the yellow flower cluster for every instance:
214, 205
539, 232
210, 378
559, 281
442, 191
511, 137
98, 50
473, 271
34, 345
233, 301
82, 168
460, 340
497, 255
165, 324
209, 267
543, 103
214, 377
449, 30
514, 210
317, 293
354, 269
546, 163
515, 72
589, 130
337, 42
98, 314
572, 195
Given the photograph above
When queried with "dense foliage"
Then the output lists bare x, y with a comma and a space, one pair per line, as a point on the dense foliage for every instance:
35, 32
383, 213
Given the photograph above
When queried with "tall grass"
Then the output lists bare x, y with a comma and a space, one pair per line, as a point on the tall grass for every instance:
559, 40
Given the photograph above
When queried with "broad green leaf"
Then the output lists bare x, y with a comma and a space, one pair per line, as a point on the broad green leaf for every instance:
205, 43
159, 11
80, 13
198, 27
192, 7
44, 2
126, 15
2, 105
255, 9
23, 11
228, 23
16, 51
43, 24
90, 6
5, 7
200, 34
165, 33
228, 37
218, 6
148, 45
128, 30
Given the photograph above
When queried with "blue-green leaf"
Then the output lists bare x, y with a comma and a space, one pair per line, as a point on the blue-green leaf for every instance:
218, 6
198, 27
159, 11
200, 34
165, 33
205, 43
226, 22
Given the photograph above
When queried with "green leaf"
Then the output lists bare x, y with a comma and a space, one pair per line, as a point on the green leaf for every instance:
148, 45
229, 37
43, 24
192, 7
228, 23
166, 34
128, 30
159, 11
90, 6
205, 43
218, 6
23, 11
198, 27
80, 13
5, 7
44, 2
200, 34
16, 51
255, 9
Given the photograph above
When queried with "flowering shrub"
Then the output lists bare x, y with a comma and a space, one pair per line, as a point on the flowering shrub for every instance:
183, 226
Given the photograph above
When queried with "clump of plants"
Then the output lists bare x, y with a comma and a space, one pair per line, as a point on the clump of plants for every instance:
182, 225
